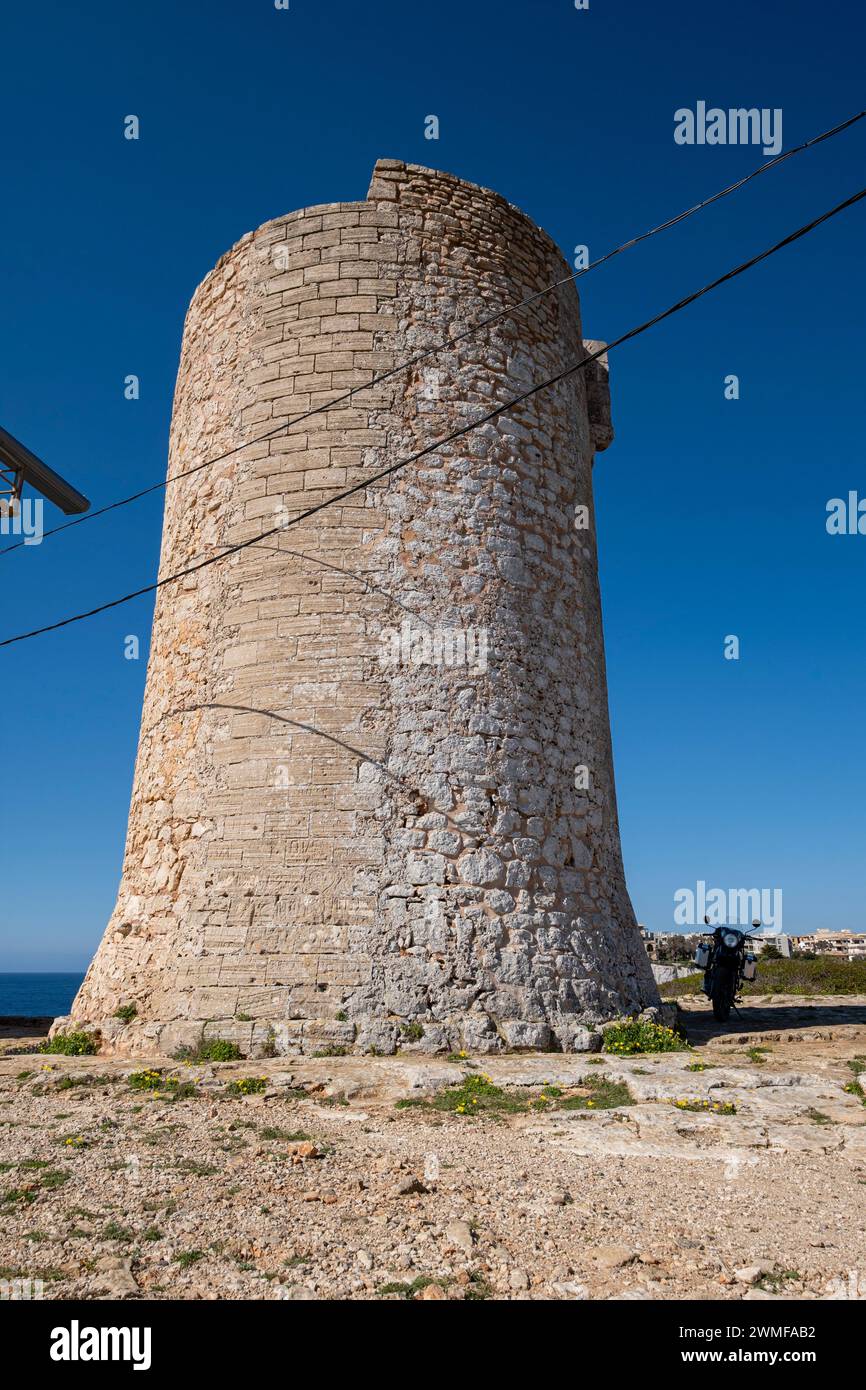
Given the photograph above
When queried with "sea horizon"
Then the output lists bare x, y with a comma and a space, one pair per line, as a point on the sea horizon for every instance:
38, 993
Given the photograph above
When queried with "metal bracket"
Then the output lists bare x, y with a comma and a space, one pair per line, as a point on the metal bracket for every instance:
18, 465
11, 485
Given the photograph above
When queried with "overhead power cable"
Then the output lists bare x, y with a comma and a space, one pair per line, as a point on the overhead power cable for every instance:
450, 438
451, 342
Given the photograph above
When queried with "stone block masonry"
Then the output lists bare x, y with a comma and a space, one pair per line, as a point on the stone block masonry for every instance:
355, 808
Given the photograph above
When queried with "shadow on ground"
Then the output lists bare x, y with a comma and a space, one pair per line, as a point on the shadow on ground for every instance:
14, 1026
777, 1017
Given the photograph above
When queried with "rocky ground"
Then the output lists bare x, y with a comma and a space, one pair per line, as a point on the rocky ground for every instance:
326, 1184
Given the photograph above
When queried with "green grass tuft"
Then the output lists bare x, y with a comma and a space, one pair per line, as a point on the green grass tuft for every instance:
409, 1291
157, 1083
114, 1231
247, 1086
604, 1094
639, 1035
476, 1095
778, 1280
705, 1107
188, 1257
71, 1044
818, 1117
217, 1050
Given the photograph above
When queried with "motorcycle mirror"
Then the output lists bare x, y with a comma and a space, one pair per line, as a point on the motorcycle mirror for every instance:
757, 922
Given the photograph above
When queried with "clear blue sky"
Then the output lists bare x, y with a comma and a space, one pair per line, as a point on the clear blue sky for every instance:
711, 513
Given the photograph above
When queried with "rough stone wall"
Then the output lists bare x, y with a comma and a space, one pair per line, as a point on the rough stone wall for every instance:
355, 807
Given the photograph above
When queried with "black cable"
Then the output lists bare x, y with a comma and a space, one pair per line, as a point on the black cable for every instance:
450, 438
450, 342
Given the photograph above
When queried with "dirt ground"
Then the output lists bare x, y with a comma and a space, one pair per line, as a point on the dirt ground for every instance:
326, 1184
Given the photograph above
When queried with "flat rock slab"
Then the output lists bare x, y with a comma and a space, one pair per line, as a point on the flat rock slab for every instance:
319, 1186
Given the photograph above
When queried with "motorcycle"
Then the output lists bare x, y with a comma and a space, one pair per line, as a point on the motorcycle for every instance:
726, 963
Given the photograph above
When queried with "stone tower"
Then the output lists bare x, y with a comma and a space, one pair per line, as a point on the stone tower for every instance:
374, 801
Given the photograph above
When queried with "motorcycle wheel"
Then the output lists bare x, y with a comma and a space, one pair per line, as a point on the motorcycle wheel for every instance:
722, 995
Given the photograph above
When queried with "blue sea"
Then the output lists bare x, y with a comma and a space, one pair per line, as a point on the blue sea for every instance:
37, 994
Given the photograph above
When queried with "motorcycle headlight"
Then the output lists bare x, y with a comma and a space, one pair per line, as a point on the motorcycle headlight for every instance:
730, 938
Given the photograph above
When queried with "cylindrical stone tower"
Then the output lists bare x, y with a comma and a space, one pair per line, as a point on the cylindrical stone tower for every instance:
374, 801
